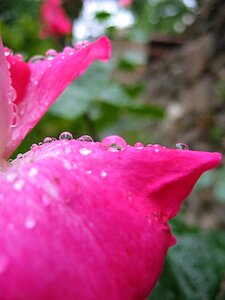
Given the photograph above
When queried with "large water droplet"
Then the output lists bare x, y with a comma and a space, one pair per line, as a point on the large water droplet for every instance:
114, 143
35, 59
85, 151
48, 140
51, 54
138, 146
85, 138
181, 146
66, 136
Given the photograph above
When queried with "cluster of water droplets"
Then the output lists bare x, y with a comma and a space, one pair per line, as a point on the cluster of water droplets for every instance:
52, 53
12, 92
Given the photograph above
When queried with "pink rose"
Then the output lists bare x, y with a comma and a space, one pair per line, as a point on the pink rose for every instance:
82, 219
54, 19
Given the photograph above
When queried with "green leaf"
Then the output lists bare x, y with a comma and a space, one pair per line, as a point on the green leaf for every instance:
193, 269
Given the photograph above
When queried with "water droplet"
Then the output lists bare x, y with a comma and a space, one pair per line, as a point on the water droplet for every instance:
33, 146
69, 50
8, 51
81, 45
181, 146
138, 146
11, 176
103, 174
40, 143
12, 95
4, 263
114, 143
33, 172
89, 171
85, 151
30, 223
66, 136
51, 54
85, 138
18, 185
35, 59
47, 140
20, 155
19, 56
14, 121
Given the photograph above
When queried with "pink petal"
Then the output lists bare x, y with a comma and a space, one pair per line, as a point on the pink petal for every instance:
48, 79
55, 21
83, 220
6, 111
125, 2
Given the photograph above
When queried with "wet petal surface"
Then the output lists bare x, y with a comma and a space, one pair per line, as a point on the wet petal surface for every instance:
40, 82
80, 221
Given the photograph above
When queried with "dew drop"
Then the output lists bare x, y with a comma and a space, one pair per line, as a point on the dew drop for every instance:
81, 45
138, 146
19, 56
30, 223
85, 151
89, 171
66, 136
14, 121
40, 143
181, 146
33, 172
114, 143
69, 50
12, 96
18, 185
47, 140
33, 146
103, 174
20, 155
35, 59
11, 176
50, 54
4, 263
85, 138
8, 51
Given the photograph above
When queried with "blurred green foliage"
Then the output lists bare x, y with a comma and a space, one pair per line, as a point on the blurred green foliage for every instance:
194, 268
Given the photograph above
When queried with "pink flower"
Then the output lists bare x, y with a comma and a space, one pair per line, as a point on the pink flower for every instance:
80, 219
125, 2
55, 21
